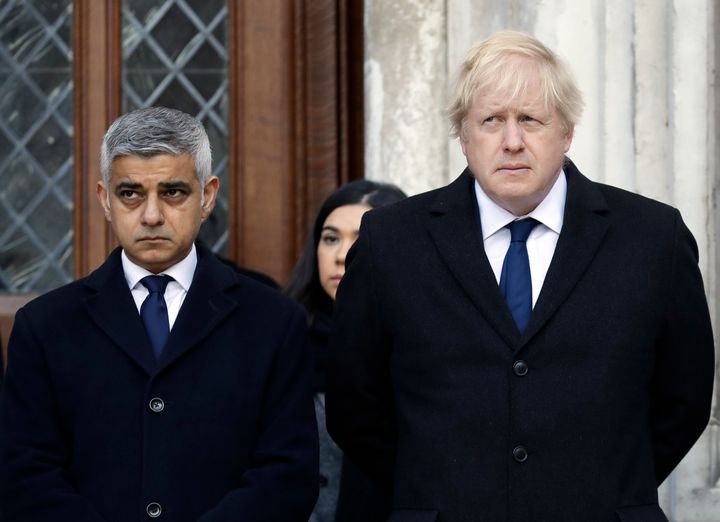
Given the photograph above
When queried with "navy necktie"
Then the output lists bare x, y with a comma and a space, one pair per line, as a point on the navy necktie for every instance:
515, 282
154, 311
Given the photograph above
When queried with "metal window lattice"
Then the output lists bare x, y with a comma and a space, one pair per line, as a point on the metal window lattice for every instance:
175, 55
36, 145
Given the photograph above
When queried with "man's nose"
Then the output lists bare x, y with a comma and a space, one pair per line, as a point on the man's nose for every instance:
152, 215
512, 136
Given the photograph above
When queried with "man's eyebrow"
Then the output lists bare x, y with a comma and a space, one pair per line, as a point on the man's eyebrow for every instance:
127, 185
170, 185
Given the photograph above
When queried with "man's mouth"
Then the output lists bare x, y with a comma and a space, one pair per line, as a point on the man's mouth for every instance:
513, 166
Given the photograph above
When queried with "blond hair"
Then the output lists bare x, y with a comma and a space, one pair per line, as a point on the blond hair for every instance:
509, 62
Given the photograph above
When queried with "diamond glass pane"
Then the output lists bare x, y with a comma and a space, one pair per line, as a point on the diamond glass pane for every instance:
175, 55
207, 10
36, 145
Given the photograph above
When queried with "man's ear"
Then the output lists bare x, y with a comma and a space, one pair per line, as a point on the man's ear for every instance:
462, 144
103, 198
569, 137
210, 191
462, 135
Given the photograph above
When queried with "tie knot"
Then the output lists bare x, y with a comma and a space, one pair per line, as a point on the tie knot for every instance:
156, 283
520, 230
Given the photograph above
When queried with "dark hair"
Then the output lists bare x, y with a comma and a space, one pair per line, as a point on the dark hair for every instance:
304, 284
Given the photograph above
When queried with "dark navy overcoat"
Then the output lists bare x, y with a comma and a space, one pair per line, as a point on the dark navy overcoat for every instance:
579, 418
221, 428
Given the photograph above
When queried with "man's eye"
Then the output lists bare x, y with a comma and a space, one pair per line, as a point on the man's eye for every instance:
128, 194
490, 119
528, 119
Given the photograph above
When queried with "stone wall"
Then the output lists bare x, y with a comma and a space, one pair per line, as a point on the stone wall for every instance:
647, 71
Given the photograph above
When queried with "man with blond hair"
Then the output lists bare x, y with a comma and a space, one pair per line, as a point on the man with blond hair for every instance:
523, 344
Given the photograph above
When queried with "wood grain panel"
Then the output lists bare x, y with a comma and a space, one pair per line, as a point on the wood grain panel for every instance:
97, 104
264, 164
294, 85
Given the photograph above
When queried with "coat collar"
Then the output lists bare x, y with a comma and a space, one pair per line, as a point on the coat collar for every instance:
454, 226
112, 308
584, 227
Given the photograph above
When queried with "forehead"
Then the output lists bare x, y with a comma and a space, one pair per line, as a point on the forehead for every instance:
346, 216
156, 168
514, 81
524, 98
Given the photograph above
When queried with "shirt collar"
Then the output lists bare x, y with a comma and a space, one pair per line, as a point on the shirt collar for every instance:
549, 212
181, 272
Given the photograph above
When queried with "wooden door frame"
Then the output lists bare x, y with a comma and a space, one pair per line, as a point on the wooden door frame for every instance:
97, 60
296, 123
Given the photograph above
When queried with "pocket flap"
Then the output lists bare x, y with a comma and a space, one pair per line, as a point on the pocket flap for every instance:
646, 513
413, 515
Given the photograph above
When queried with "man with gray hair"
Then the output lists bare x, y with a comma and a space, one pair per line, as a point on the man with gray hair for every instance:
164, 385
524, 344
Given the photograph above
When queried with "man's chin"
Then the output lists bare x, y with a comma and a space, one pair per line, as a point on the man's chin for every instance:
154, 260
156, 265
518, 202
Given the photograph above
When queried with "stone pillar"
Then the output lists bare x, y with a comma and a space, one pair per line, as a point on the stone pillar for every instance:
405, 76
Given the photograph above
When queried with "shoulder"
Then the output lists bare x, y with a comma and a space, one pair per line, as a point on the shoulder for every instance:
619, 199
60, 302
250, 289
618, 204
437, 200
638, 211
252, 274
256, 300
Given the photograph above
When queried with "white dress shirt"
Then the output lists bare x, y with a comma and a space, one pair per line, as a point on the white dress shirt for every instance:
542, 240
176, 290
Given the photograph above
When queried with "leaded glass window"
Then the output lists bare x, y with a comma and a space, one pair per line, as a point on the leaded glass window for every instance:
175, 55
36, 145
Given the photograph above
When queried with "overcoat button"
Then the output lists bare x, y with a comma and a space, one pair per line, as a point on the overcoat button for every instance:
520, 454
157, 404
153, 509
323, 481
520, 368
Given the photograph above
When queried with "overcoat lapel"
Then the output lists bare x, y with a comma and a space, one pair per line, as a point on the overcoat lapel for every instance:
112, 308
584, 227
454, 226
205, 305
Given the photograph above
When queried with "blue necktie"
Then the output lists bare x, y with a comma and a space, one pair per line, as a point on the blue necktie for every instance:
154, 311
515, 282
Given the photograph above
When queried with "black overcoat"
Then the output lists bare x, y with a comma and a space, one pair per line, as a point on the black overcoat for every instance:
221, 428
433, 388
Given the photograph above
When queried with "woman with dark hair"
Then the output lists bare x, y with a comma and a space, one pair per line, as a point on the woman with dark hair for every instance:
314, 283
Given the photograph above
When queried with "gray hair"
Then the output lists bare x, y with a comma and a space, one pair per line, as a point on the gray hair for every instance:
156, 130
